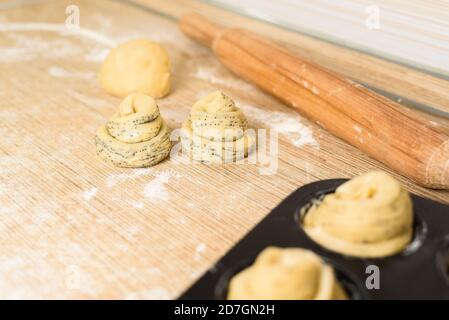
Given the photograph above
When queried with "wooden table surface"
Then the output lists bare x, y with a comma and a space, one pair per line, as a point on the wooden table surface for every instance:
72, 226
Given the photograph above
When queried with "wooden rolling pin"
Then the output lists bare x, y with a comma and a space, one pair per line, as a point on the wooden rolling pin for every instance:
395, 135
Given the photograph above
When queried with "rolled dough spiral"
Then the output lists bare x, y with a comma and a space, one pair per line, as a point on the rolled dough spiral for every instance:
368, 216
136, 136
287, 274
215, 130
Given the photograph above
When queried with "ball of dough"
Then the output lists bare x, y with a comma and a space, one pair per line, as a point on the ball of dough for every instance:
135, 136
368, 216
136, 66
215, 131
286, 274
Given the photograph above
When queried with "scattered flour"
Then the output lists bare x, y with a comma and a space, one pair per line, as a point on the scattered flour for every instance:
58, 28
155, 271
135, 173
89, 194
288, 125
9, 55
88, 101
96, 55
131, 233
199, 251
172, 112
138, 204
27, 47
202, 93
156, 189
357, 129
59, 72
210, 74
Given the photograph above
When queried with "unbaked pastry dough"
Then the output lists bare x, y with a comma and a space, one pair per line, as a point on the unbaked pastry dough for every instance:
136, 66
368, 216
215, 131
287, 274
136, 136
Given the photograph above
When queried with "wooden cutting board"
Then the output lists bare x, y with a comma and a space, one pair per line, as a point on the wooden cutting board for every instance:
74, 227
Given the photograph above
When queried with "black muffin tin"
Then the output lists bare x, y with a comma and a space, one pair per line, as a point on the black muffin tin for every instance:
421, 271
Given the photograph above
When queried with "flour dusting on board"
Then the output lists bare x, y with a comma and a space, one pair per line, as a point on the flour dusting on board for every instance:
58, 28
27, 46
138, 204
210, 74
59, 72
9, 55
132, 174
89, 194
199, 251
96, 54
89, 101
286, 124
156, 190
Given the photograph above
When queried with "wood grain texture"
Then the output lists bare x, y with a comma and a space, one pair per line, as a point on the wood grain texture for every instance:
74, 227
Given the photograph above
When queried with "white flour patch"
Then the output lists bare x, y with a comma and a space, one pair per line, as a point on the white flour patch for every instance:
138, 204
196, 274
131, 233
135, 173
58, 28
288, 125
27, 47
9, 55
59, 72
103, 22
173, 113
154, 271
210, 74
202, 93
89, 194
357, 129
88, 101
156, 189
96, 55
199, 251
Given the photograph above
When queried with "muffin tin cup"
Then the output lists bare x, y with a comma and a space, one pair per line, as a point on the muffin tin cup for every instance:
420, 271
349, 284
